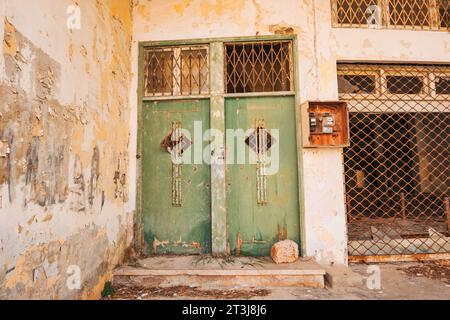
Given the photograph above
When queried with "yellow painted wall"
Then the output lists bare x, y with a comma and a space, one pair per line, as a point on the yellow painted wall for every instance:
65, 132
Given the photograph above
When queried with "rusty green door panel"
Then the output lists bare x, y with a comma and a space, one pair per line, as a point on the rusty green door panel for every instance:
254, 228
168, 229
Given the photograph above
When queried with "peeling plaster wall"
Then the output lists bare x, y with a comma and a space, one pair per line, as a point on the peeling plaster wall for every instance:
64, 146
319, 47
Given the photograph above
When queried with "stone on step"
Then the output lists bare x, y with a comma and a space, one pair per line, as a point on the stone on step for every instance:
284, 252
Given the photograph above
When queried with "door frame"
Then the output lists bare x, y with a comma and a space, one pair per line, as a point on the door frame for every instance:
220, 248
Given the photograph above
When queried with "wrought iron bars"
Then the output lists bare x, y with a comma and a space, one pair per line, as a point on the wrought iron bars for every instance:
415, 13
261, 143
177, 168
356, 13
176, 71
398, 14
258, 67
176, 144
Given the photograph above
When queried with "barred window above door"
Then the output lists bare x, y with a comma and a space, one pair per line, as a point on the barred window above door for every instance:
176, 71
398, 14
258, 67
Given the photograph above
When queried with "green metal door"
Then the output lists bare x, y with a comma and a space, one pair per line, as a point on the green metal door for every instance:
262, 210
176, 199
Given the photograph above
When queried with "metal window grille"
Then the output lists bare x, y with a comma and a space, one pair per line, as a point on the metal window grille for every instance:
397, 169
398, 14
258, 67
176, 71
410, 13
443, 14
356, 13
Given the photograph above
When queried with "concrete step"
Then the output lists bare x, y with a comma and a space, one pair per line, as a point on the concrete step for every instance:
235, 272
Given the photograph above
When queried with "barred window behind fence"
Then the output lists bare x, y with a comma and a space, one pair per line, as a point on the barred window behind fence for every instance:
397, 169
399, 14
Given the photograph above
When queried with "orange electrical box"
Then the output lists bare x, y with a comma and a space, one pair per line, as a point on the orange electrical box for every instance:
325, 124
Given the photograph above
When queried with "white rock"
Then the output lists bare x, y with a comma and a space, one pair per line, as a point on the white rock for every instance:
284, 252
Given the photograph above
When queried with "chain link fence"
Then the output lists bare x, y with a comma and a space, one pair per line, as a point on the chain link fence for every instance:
397, 169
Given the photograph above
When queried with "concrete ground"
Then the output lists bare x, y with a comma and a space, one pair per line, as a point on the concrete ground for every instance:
396, 284
397, 281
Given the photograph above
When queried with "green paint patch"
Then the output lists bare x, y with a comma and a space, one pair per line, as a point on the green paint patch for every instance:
108, 290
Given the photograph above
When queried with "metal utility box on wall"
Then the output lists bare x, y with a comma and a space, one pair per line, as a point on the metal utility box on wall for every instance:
325, 124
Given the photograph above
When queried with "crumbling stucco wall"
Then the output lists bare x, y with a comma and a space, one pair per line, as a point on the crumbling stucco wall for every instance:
319, 48
64, 146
